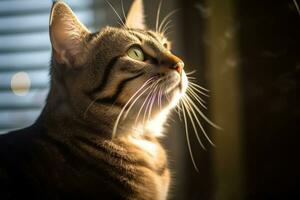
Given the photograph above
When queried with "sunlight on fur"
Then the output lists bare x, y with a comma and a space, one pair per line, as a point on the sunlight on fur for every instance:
110, 97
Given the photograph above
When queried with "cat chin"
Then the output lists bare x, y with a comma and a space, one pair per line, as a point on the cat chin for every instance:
176, 96
178, 91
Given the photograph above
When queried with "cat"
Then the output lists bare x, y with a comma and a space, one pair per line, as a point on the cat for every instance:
98, 134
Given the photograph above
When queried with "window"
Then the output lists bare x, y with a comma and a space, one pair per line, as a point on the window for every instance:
25, 52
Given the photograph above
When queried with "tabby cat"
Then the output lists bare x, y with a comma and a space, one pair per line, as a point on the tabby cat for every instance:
97, 136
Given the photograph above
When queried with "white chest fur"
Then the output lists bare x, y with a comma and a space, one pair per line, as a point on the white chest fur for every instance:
156, 153
147, 146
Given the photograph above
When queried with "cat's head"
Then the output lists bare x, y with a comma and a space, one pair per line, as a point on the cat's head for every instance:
118, 73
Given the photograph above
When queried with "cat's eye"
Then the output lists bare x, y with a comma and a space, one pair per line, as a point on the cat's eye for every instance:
136, 53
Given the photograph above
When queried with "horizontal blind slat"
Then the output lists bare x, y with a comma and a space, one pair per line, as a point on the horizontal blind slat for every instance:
25, 41
11, 119
36, 22
25, 59
38, 79
35, 98
15, 6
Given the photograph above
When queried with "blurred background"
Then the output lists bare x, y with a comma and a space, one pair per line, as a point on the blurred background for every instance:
246, 53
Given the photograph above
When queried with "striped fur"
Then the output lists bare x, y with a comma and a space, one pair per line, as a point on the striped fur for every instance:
74, 149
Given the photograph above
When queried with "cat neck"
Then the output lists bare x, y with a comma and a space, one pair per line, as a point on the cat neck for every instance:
154, 126
62, 119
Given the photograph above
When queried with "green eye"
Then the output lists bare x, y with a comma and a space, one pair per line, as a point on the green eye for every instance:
136, 53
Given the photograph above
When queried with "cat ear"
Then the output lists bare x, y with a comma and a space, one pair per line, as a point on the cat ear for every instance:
67, 35
136, 18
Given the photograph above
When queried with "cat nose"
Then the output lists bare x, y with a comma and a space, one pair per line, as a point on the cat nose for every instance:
179, 67
173, 62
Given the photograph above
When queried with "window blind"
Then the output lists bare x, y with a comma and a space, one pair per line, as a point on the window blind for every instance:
25, 52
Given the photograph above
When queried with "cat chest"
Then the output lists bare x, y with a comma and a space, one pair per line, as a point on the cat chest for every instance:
156, 175
137, 168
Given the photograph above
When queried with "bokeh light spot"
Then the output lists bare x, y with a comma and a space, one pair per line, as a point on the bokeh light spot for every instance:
20, 83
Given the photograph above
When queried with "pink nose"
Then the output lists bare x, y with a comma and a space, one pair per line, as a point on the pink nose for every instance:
173, 62
179, 67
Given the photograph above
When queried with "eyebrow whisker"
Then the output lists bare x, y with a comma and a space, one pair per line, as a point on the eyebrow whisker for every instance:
158, 15
166, 18
121, 20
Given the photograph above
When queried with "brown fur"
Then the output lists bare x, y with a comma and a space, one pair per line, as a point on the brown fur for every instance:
70, 151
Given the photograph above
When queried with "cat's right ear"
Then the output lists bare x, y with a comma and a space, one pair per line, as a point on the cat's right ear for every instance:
67, 35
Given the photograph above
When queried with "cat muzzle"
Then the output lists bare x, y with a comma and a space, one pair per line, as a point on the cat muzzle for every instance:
179, 67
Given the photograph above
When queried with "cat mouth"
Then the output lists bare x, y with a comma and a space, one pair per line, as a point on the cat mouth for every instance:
173, 83
165, 88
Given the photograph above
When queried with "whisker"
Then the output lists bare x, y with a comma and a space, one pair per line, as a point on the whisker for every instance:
191, 78
87, 109
168, 28
134, 101
197, 120
158, 15
152, 100
120, 24
123, 109
193, 123
197, 97
160, 97
166, 18
168, 33
163, 30
141, 108
188, 139
149, 101
191, 72
198, 86
122, 5
146, 100
132, 104
204, 117
121, 20
197, 90
297, 7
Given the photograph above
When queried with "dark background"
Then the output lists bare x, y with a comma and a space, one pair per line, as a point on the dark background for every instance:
265, 62
267, 43
270, 73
